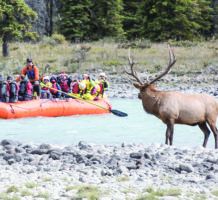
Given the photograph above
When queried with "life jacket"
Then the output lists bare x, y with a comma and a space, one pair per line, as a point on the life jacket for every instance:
103, 86
77, 90
55, 86
31, 74
3, 89
12, 89
44, 88
64, 86
25, 88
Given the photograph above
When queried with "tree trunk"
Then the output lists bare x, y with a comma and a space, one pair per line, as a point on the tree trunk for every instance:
5, 49
47, 18
51, 18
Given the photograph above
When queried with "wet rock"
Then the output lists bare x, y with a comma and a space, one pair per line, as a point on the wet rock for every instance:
39, 151
19, 150
8, 142
80, 159
186, 167
55, 155
210, 176
83, 145
45, 146
147, 156
136, 155
8, 157
211, 160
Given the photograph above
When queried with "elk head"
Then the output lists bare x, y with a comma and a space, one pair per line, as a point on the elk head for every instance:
143, 86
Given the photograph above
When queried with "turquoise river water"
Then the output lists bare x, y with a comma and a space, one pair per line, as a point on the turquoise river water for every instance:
138, 127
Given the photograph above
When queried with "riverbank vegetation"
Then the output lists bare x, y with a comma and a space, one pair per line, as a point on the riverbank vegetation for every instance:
124, 20
54, 54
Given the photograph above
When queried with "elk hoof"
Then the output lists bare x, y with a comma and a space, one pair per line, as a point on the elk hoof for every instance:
139, 96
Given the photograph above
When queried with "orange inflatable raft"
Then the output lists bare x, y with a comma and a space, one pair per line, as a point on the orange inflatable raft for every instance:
51, 108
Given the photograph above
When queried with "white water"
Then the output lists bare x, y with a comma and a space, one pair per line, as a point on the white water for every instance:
138, 127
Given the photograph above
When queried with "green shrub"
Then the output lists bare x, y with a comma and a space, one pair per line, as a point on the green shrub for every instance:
185, 43
112, 62
58, 38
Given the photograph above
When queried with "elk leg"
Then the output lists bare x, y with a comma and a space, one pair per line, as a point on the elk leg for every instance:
215, 132
206, 131
169, 132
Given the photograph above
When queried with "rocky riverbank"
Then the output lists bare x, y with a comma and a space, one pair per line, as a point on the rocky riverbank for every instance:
106, 172
201, 82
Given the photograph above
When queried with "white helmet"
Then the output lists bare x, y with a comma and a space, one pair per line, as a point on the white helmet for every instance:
102, 74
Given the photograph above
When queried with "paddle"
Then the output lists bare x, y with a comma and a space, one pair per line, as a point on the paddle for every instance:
115, 112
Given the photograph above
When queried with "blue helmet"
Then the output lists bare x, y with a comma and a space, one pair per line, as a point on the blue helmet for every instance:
80, 77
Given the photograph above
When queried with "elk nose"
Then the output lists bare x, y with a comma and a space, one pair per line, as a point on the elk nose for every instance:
139, 96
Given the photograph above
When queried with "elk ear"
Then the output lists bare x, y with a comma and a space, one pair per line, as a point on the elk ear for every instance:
137, 85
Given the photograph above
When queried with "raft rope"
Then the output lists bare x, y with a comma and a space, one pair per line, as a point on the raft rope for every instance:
13, 111
45, 101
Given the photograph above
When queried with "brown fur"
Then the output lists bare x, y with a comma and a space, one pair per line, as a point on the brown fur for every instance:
179, 108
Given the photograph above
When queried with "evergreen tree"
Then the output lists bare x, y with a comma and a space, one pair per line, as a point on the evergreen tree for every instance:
75, 19
14, 22
130, 20
169, 19
204, 17
108, 19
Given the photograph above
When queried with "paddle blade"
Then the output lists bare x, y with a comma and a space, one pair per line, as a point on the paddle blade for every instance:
119, 113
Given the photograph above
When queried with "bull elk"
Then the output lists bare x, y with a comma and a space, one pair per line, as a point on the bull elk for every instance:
175, 107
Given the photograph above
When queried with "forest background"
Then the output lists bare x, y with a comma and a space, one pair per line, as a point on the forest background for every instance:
92, 33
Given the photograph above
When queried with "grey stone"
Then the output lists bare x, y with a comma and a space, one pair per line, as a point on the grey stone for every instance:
186, 167
39, 151
45, 146
147, 156
210, 176
136, 155
55, 155
8, 142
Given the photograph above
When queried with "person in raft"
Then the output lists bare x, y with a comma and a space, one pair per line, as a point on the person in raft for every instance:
3, 90
25, 91
45, 91
78, 86
64, 81
103, 83
12, 90
32, 73
92, 88
55, 85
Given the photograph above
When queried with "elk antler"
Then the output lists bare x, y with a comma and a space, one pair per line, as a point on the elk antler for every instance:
171, 63
132, 73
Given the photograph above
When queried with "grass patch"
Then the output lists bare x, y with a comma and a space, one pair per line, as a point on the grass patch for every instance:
47, 179
12, 189
215, 193
161, 193
200, 197
70, 187
90, 192
31, 185
4, 196
26, 193
129, 190
44, 195
123, 179
147, 197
